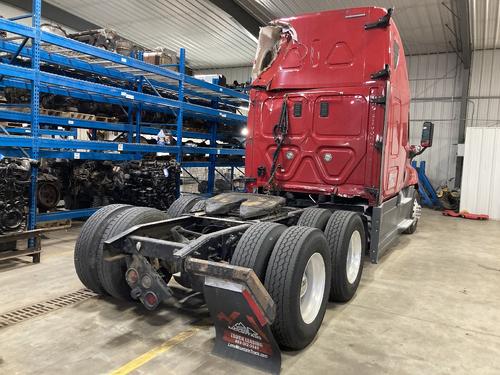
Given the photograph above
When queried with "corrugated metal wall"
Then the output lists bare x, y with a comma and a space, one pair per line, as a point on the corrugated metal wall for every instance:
481, 175
435, 82
241, 74
484, 89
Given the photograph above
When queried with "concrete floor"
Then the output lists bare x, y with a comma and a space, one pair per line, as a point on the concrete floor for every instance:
432, 306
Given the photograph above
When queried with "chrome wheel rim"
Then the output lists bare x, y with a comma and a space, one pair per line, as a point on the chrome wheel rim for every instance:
417, 211
312, 288
353, 257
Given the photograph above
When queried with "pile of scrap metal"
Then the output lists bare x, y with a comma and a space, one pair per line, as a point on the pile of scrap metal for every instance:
48, 192
150, 183
111, 41
15, 177
162, 56
14, 188
106, 39
80, 181
220, 186
449, 198
230, 142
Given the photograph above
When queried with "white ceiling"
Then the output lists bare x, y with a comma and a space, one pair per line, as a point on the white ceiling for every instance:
421, 23
209, 35
212, 38
485, 23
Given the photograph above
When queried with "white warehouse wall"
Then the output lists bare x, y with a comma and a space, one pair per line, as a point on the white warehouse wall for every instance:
436, 84
484, 89
481, 175
432, 78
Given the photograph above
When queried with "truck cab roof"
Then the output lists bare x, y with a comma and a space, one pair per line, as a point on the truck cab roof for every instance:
326, 49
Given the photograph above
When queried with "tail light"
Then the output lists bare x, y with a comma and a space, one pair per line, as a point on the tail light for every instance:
150, 300
132, 276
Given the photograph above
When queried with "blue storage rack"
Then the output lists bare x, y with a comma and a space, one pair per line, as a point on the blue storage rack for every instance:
124, 73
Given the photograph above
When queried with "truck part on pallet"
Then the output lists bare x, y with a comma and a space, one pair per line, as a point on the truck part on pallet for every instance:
14, 187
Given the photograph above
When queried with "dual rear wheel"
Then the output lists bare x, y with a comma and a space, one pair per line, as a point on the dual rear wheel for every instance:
345, 233
305, 265
300, 266
107, 278
101, 276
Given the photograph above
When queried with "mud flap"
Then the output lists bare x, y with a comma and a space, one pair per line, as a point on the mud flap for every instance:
242, 312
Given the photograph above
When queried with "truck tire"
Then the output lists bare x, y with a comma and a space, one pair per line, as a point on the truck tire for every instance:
90, 242
182, 205
297, 278
112, 274
199, 206
314, 217
415, 215
345, 233
255, 246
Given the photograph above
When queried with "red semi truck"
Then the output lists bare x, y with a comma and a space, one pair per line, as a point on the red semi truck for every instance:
328, 179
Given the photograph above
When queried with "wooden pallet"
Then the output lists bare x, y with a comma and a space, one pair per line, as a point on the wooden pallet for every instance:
10, 242
106, 119
19, 109
78, 115
75, 115
54, 223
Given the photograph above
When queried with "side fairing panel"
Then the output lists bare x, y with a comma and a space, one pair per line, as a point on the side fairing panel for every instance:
397, 172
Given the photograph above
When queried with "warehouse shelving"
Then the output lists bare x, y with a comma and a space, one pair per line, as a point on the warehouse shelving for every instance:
108, 78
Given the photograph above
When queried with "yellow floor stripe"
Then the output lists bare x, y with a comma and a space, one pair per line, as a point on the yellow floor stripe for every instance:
148, 356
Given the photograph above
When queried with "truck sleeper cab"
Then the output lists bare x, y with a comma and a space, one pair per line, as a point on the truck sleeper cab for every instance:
328, 177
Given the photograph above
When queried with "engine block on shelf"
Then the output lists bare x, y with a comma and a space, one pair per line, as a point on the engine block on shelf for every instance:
150, 183
14, 188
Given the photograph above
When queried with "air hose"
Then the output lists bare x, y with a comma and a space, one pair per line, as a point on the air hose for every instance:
280, 132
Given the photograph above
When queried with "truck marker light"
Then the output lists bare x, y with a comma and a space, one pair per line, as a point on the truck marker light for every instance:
150, 299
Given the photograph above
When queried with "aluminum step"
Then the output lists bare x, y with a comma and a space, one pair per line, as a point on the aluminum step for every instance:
405, 224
